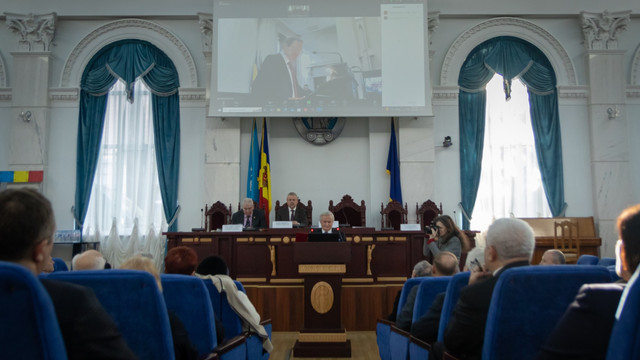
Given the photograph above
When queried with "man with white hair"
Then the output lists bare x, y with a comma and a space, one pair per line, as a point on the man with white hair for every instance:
249, 217
509, 244
88, 260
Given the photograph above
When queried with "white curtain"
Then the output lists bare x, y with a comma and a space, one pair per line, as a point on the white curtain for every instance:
125, 210
510, 183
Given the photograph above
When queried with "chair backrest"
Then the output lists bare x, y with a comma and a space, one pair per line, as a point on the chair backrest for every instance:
625, 335
217, 215
427, 212
135, 304
457, 282
587, 260
529, 301
393, 215
427, 292
607, 261
406, 288
59, 265
223, 311
567, 239
348, 212
188, 298
28, 318
240, 286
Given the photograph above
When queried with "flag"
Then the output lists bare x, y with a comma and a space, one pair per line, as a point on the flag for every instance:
254, 165
264, 176
393, 167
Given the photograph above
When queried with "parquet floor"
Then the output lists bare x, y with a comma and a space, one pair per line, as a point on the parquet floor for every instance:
363, 346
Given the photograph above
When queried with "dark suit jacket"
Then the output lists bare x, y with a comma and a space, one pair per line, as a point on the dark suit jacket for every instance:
273, 81
300, 215
257, 219
87, 329
583, 331
426, 328
406, 313
342, 238
464, 334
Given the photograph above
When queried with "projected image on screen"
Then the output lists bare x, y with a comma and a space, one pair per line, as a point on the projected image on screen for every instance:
320, 65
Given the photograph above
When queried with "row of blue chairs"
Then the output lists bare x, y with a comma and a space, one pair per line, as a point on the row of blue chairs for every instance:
594, 260
527, 301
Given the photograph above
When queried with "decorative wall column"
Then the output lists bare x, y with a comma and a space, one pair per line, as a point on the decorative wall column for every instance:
608, 120
30, 89
222, 141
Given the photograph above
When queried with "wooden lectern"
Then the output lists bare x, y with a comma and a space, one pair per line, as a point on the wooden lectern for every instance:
322, 265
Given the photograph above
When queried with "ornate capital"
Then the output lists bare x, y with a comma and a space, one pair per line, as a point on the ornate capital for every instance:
206, 28
432, 22
35, 32
601, 30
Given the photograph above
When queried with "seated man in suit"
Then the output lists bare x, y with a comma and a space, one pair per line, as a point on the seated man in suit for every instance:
294, 211
509, 243
553, 257
584, 330
326, 226
249, 217
27, 226
421, 268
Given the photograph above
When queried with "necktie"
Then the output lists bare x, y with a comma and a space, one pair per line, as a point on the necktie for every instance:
294, 80
292, 215
247, 221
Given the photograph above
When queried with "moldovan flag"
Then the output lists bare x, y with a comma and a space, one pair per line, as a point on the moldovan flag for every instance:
254, 165
264, 182
393, 167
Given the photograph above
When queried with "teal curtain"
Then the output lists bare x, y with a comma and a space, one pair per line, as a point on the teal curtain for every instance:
129, 60
510, 57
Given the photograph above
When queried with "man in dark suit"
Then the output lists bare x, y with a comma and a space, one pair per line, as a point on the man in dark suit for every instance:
326, 226
277, 79
249, 217
510, 243
294, 211
27, 226
584, 330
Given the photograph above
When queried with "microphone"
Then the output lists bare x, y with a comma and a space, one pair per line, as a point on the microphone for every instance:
330, 52
202, 218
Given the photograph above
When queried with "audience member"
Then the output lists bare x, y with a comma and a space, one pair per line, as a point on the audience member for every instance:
182, 346
422, 268
294, 211
214, 268
583, 331
181, 260
88, 260
444, 264
553, 257
445, 236
509, 243
475, 259
27, 226
249, 217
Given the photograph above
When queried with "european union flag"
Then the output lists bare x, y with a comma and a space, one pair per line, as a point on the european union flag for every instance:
393, 167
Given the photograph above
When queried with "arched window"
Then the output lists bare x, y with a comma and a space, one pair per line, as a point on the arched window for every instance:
136, 72
511, 58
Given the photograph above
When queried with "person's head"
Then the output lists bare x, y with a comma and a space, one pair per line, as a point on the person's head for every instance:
628, 247
143, 263
292, 47
326, 220
292, 200
422, 268
247, 207
553, 257
27, 226
213, 265
445, 264
475, 255
447, 228
508, 240
88, 260
181, 260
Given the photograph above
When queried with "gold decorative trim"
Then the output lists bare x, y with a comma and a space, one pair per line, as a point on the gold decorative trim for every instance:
275, 239
357, 280
286, 239
260, 240
206, 240
382, 238
356, 239
286, 281
369, 257
321, 297
367, 238
242, 239
272, 258
243, 280
188, 240
322, 337
391, 278
322, 268
398, 238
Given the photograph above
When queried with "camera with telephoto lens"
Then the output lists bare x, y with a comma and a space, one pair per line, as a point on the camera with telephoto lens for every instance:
431, 228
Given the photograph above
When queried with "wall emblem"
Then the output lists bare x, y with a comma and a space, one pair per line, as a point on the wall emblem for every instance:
319, 131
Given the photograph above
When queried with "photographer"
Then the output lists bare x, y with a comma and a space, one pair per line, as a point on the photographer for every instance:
444, 235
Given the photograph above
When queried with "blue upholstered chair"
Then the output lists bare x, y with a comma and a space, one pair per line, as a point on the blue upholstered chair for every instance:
28, 318
458, 281
625, 336
59, 265
528, 301
613, 273
429, 287
135, 303
587, 260
607, 261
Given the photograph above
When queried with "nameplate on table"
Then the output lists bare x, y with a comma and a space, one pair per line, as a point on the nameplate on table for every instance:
409, 227
282, 225
232, 228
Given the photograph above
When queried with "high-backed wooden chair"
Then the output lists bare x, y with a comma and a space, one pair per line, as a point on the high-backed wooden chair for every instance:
216, 216
567, 239
393, 215
348, 212
427, 212
307, 208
